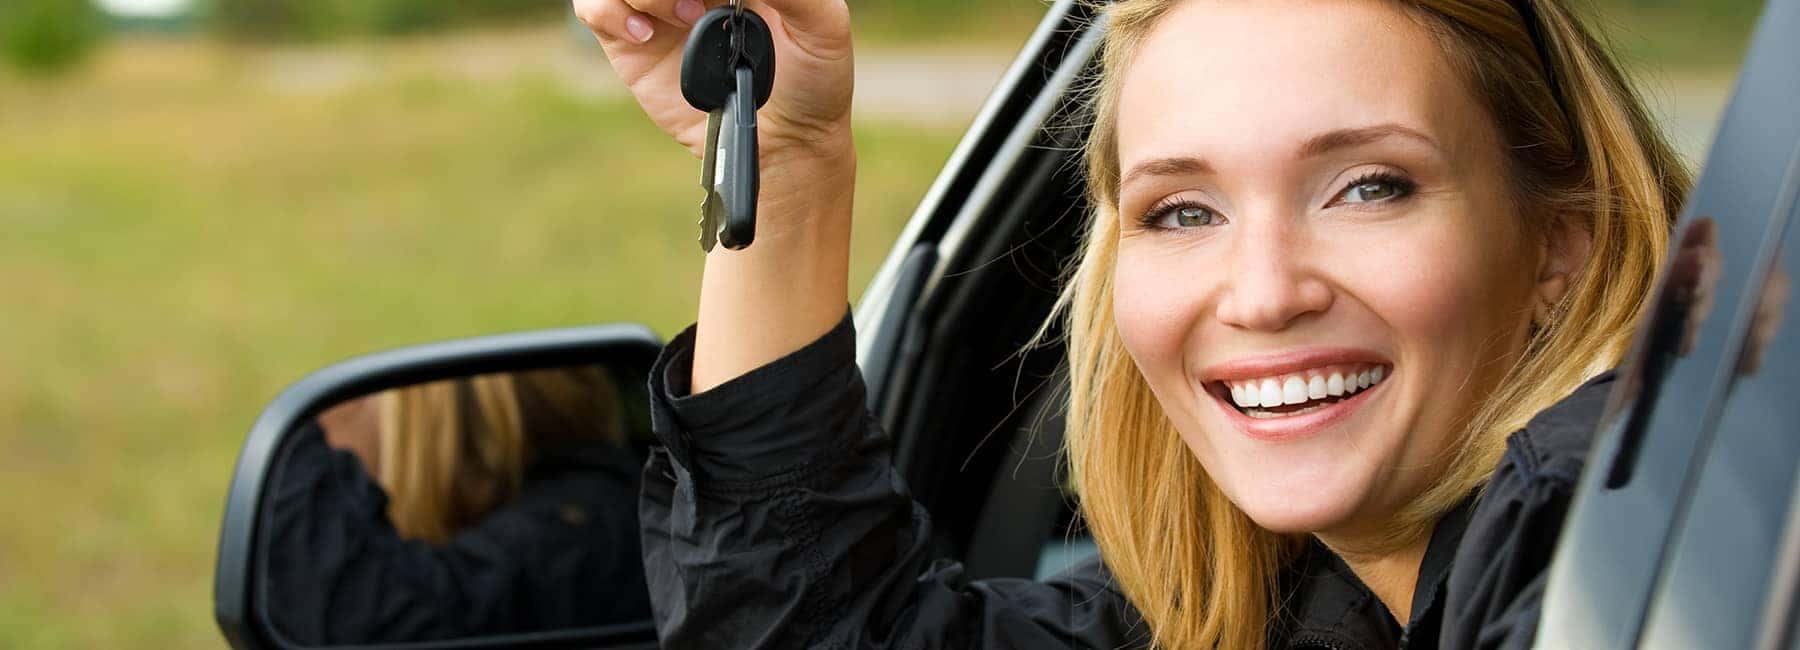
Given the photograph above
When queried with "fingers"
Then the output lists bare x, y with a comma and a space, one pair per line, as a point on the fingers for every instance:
682, 13
613, 21
637, 21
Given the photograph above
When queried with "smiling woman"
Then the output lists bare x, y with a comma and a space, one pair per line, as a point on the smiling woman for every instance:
1405, 189
1337, 339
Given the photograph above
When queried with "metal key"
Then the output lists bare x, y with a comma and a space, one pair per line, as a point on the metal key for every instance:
728, 71
712, 208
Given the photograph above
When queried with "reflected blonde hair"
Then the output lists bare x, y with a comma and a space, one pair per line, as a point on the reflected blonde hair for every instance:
452, 451
1201, 571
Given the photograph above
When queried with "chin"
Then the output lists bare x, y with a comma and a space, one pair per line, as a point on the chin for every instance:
1284, 494
1296, 516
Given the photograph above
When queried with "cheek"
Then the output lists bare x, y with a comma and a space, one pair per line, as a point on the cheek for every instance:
1153, 310
1443, 289
1453, 297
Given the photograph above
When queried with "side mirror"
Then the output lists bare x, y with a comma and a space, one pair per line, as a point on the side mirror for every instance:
474, 493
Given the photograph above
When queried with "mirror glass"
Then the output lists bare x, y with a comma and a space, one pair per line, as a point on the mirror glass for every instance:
478, 506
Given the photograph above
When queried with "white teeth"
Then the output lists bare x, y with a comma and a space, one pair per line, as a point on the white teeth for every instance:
1270, 393
1255, 396
1293, 391
1241, 394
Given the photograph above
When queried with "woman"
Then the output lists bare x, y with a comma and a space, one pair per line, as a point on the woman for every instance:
495, 504
1341, 254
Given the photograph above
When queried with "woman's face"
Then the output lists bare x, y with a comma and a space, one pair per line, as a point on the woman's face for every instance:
1313, 199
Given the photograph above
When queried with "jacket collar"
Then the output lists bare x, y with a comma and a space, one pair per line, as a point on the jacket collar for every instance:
1327, 606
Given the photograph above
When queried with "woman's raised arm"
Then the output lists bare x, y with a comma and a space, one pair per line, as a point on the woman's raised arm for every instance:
791, 285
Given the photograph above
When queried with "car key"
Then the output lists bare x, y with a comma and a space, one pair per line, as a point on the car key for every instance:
712, 207
728, 70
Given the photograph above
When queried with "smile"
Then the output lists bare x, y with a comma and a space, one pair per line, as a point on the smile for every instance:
1298, 393
1302, 392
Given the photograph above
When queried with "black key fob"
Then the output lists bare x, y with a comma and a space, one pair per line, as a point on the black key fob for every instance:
709, 60
744, 175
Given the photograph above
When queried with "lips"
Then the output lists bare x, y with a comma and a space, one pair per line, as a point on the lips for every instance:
1295, 394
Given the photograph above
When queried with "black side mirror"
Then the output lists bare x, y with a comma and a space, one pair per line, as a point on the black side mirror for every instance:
469, 494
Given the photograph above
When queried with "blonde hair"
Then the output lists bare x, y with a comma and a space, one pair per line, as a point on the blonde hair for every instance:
452, 451
1580, 148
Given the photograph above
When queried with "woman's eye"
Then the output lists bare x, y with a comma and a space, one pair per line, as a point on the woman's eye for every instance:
1191, 216
1374, 189
1184, 216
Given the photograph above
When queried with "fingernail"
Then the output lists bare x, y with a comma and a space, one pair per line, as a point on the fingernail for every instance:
689, 11
639, 28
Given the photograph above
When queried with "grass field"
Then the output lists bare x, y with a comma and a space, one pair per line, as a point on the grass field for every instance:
181, 242
183, 237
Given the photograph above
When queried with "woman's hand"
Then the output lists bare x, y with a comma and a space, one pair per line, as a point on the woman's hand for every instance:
809, 111
792, 284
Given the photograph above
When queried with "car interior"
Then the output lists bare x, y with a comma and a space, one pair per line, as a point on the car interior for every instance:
971, 395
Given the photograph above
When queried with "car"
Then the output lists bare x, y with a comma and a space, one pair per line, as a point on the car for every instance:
1684, 533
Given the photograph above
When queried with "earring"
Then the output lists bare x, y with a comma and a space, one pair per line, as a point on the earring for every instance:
1550, 293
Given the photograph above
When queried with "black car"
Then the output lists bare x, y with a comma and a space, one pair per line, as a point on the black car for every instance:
1685, 533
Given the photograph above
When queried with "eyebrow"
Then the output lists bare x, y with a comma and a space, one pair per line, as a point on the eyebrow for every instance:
1342, 138
1176, 166
1316, 146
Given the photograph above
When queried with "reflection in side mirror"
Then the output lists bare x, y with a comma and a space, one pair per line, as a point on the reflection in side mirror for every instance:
461, 451
489, 505
482, 492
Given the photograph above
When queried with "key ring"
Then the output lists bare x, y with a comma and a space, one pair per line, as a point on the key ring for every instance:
737, 35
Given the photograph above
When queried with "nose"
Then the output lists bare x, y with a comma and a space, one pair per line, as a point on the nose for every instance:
1274, 281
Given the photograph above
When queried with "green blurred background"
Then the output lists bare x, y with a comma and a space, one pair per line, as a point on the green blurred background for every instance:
201, 201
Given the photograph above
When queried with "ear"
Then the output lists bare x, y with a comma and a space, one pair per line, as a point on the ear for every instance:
1565, 249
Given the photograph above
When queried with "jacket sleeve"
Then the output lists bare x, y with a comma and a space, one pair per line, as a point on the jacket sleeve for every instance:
1497, 582
773, 518
337, 571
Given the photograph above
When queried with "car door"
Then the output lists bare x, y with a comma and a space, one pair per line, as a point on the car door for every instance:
1681, 519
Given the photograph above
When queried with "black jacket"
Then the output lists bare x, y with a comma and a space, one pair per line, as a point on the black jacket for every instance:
773, 518
559, 556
